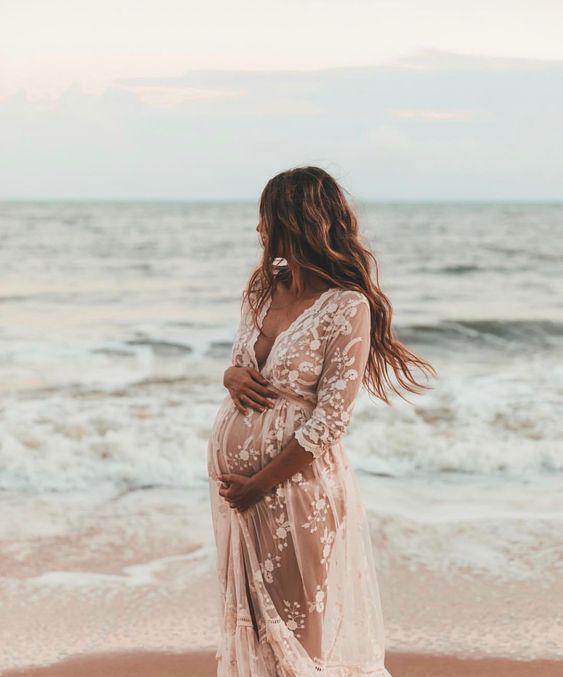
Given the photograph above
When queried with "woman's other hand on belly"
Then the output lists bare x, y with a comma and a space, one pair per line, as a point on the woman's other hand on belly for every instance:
248, 388
240, 491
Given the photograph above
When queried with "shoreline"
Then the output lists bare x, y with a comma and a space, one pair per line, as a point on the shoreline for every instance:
202, 663
95, 576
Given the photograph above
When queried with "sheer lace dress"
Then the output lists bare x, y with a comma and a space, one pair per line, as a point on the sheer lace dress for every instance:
298, 592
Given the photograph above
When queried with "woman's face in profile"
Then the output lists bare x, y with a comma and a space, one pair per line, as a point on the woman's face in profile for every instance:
261, 232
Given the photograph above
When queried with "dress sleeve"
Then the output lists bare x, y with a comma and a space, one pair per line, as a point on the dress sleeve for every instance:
345, 360
239, 357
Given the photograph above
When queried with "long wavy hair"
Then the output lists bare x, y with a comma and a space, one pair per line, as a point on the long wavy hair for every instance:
306, 220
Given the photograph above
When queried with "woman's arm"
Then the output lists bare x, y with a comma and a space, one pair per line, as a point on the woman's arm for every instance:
345, 361
346, 356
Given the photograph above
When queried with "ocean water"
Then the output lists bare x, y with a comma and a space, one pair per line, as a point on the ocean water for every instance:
116, 323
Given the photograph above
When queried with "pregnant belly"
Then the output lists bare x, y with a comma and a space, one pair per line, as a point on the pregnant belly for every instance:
244, 444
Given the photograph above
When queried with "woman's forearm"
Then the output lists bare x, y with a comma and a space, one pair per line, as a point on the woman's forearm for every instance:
289, 461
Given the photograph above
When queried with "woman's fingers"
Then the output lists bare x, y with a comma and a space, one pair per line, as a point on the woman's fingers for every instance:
240, 406
252, 392
225, 493
250, 402
233, 502
263, 390
229, 493
257, 376
257, 397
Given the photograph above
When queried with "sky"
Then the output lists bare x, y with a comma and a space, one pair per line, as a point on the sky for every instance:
398, 99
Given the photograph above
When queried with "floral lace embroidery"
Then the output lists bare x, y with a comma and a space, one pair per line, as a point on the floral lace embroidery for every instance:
346, 353
305, 547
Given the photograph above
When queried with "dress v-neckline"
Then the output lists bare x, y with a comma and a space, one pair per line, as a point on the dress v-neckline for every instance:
302, 314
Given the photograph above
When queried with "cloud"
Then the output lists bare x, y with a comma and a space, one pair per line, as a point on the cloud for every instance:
168, 97
222, 134
435, 115
437, 60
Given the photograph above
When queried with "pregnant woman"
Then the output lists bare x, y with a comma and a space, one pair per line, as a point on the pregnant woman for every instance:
298, 587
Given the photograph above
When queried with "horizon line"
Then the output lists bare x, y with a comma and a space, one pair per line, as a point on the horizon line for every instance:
246, 200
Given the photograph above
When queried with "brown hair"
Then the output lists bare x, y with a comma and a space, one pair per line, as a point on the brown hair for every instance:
306, 218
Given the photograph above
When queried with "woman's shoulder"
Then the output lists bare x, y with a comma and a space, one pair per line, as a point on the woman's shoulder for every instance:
348, 298
251, 292
345, 309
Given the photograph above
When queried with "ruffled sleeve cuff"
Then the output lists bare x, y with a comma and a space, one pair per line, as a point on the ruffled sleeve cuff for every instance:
315, 448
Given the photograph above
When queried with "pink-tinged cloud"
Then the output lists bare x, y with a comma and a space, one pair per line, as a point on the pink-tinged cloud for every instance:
436, 115
168, 97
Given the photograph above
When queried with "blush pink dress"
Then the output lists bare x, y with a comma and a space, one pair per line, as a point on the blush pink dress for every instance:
298, 593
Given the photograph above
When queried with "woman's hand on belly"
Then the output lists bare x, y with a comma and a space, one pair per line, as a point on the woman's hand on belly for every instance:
242, 492
248, 387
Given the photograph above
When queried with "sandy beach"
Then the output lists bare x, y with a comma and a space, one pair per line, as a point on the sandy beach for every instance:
126, 586
202, 664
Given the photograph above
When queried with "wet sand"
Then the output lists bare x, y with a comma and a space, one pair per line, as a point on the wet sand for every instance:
202, 664
126, 587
